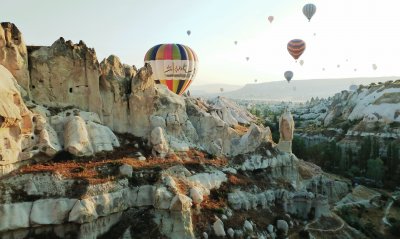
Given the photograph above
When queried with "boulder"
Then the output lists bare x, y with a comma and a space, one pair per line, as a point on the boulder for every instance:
218, 227
20, 215
126, 170
282, 225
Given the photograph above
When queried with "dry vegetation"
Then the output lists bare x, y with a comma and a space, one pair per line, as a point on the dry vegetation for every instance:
103, 167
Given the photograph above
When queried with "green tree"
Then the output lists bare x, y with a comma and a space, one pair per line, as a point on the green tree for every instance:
375, 169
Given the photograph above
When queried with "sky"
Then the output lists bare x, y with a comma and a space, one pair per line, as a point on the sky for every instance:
351, 33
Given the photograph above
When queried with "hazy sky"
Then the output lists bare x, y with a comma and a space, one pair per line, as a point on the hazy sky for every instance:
362, 31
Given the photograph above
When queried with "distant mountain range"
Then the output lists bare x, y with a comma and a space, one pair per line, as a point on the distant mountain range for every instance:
300, 90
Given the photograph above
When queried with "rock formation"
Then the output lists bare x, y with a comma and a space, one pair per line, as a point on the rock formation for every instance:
14, 55
286, 129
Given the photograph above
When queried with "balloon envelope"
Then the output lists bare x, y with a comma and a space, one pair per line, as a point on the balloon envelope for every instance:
301, 62
296, 47
235, 42
309, 10
270, 19
173, 65
247, 58
288, 75
374, 66
188, 32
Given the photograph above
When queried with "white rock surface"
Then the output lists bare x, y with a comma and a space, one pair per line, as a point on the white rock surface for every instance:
126, 170
231, 233
247, 226
160, 145
51, 211
20, 215
282, 225
218, 227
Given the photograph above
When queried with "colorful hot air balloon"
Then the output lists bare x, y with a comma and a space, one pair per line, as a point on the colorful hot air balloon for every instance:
174, 65
301, 62
374, 66
188, 32
296, 47
270, 19
309, 10
288, 75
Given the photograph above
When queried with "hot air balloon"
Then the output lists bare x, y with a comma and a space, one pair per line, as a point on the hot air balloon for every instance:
255, 80
338, 66
235, 42
270, 19
309, 10
188, 32
221, 89
247, 58
174, 65
355, 69
296, 47
374, 66
301, 62
323, 69
288, 75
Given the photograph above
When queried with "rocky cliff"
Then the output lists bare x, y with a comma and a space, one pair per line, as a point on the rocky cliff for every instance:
98, 150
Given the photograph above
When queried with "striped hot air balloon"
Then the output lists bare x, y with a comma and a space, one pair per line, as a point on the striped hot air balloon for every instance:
296, 47
309, 10
173, 65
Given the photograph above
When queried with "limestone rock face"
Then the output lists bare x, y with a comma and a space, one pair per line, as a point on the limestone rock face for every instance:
286, 129
15, 121
157, 139
66, 74
115, 89
13, 53
82, 134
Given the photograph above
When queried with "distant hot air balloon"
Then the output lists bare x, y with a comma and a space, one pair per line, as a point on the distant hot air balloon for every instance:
315, 34
309, 10
255, 80
347, 60
188, 32
247, 58
338, 66
323, 69
235, 42
173, 65
374, 66
270, 19
355, 69
221, 89
288, 75
296, 47
301, 62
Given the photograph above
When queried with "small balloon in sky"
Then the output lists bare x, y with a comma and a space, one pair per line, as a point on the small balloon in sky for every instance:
338, 66
288, 75
301, 62
296, 47
270, 19
309, 10
247, 58
255, 80
374, 66
355, 69
221, 89
323, 69
188, 32
315, 34
347, 60
235, 42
